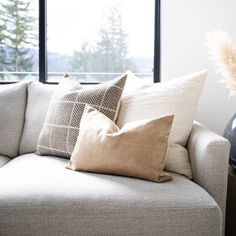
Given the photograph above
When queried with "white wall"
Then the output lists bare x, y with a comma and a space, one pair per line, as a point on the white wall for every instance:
184, 26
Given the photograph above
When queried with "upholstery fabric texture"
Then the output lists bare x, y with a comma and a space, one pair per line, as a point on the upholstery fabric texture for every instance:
39, 96
61, 127
179, 97
12, 111
209, 156
4, 160
131, 151
43, 196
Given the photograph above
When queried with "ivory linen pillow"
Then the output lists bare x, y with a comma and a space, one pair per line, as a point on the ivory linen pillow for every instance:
61, 127
138, 149
179, 97
133, 83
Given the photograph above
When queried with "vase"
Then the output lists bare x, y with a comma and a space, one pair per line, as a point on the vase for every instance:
230, 134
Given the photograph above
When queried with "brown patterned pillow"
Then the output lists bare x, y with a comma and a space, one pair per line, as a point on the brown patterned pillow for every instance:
61, 127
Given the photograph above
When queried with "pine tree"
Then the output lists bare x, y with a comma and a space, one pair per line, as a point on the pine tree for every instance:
2, 53
82, 61
20, 28
112, 47
2, 45
110, 53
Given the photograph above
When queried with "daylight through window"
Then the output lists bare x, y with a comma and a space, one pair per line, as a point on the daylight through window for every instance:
18, 40
96, 40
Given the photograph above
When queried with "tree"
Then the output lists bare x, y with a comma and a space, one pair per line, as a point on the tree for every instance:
20, 34
112, 47
2, 45
82, 61
110, 53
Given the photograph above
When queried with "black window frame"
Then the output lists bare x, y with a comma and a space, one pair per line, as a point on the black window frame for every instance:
157, 43
43, 44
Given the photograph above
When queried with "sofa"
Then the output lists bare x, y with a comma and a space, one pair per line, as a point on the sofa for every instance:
39, 196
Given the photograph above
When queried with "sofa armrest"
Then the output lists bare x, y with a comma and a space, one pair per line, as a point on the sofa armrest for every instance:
209, 155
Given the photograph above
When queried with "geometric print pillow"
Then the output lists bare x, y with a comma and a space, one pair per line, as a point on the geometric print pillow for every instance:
61, 127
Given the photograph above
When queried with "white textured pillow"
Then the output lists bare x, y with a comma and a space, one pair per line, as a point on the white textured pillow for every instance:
178, 97
133, 83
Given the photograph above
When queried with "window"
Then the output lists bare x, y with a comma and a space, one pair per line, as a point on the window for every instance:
92, 40
18, 40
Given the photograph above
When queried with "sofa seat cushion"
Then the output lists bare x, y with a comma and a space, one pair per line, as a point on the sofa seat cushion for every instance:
45, 198
4, 160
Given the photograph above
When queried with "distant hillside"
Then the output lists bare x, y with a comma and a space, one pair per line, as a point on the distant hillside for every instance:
61, 63
56, 62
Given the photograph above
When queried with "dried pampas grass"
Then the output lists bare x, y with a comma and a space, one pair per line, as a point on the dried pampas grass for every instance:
223, 52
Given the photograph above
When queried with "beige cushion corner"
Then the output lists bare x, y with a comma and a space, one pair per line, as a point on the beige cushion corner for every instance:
39, 96
12, 111
130, 151
179, 97
61, 127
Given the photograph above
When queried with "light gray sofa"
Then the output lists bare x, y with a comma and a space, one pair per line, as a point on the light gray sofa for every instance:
39, 196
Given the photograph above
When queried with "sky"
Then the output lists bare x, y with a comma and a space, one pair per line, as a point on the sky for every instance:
70, 22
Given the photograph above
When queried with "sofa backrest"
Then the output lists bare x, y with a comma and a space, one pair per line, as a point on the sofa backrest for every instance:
12, 111
39, 96
38, 99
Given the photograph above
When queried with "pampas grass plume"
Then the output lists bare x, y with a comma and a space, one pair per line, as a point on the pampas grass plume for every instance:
223, 52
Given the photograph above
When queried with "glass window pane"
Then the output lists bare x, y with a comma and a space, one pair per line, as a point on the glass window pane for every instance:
95, 41
18, 40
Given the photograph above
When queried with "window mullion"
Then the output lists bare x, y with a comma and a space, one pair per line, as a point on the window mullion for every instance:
42, 41
157, 43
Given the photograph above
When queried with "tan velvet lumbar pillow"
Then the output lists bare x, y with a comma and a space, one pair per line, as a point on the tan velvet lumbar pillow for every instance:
138, 149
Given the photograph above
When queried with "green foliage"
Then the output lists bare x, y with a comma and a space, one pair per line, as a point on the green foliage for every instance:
112, 46
2, 44
83, 60
18, 35
110, 53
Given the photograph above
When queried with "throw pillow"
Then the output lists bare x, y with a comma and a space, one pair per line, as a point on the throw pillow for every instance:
12, 111
133, 83
61, 127
179, 97
138, 149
